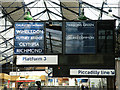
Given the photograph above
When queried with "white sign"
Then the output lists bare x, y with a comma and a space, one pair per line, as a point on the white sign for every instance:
93, 72
28, 73
37, 60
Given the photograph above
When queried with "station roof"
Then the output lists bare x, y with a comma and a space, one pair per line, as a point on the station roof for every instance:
52, 10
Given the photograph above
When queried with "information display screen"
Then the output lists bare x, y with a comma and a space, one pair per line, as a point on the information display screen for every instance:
29, 38
80, 37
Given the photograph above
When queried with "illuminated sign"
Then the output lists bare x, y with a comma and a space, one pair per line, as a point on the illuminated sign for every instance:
37, 60
28, 73
80, 37
93, 72
29, 38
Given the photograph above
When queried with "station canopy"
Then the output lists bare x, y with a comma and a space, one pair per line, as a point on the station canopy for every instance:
14, 10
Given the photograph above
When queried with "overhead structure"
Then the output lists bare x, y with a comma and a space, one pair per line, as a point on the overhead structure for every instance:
14, 10
40, 10
70, 10
100, 9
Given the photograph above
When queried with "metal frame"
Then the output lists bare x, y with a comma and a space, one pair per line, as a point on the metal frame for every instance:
7, 16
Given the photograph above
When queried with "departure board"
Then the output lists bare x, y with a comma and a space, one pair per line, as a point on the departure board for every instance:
80, 37
29, 38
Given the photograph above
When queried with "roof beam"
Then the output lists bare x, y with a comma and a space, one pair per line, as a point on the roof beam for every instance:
39, 13
5, 12
58, 15
6, 58
100, 9
17, 9
64, 7
47, 10
7, 29
100, 17
5, 40
6, 50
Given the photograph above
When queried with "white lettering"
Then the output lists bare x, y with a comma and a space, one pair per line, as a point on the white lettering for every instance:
22, 37
88, 24
29, 44
27, 25
32, 51
29, 38
36, 38
29, 32
79, 37
74, 24
81, 24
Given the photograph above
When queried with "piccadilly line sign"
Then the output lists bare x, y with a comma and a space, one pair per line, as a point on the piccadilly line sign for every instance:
92, 72
29, 38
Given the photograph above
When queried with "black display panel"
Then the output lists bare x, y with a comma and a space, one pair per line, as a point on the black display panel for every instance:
80, 37
54, 38
105, 37
101, 53
98, 61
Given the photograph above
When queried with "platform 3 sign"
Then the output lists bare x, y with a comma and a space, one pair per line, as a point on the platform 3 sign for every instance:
37, 60
29, 38
92, 72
